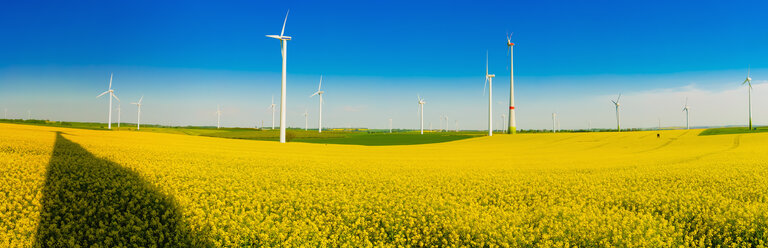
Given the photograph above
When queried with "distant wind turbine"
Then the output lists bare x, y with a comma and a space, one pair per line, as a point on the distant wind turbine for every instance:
748, 81
29, 114
138, 116
119, 114
306, 120
618, 117
111, 95
218, 117
421, 111
319, 93
272, 108
686, 109
554, 128
489, 83
284, 47
390, 125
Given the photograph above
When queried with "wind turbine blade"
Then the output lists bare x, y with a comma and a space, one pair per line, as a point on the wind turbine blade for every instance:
618, 99
485, 85
321, 83
286, 20
614, 102
105, 92
313, 94
110, 80
142, 98
115, 96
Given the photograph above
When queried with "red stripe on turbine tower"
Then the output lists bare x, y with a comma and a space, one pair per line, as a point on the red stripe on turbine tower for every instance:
511, 107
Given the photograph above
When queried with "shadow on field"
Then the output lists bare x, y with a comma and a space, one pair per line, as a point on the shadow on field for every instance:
88, 201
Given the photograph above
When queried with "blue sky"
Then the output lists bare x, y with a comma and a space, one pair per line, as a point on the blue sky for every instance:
186, 57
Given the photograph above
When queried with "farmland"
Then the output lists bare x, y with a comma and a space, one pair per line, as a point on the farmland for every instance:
67, 187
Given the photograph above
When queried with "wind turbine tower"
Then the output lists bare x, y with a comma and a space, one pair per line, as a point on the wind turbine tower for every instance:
218, 117
421, 111
119, 113
686, 109
489, 83
618, 117
306, 120
111, 95
554, 117
319, 93
272, 108
138, 117
512, 126
748, 81
284, 47
390, 125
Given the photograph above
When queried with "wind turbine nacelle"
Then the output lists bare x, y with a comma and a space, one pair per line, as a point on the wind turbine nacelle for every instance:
510, 44
491, 75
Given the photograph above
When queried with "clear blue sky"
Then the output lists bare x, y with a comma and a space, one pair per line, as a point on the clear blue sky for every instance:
187, 56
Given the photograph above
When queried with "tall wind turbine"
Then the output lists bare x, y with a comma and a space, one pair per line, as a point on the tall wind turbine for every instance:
748, 81
306, 120
618, 117
138, 117
390, 125
284, 48
489, 83
686, 109
111, 95
421, 111
218, 117
272, 108
319, 93
511, 125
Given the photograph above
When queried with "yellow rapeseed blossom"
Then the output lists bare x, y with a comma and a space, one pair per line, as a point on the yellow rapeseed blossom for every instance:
71, 187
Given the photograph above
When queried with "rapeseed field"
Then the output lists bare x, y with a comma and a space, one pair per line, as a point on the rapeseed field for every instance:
71, 187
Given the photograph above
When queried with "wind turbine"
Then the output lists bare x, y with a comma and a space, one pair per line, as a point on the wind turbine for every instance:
306, 120
489, 83
686, 109
748, 81
446, 122
390, 125
421, 111
618, 117
111, 95
272, 107
554, 117
319, 93
218, 117
284, 51
119, 113
29, 114
512, 126
138, 117
503, 121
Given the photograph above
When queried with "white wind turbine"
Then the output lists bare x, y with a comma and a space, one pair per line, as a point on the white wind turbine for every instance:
686, 109
306, 120
218, 117
284, 48
119, 113
272, 108
421, 111
511, 125
748, 81
319, 93
618, 117
138, 117
554, 118
390, 125
111, 95
489, 83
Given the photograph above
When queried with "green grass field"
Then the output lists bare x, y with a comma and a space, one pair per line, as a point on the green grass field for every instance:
733, 130
373, 138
